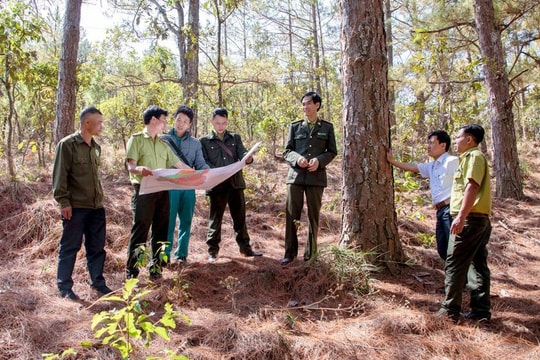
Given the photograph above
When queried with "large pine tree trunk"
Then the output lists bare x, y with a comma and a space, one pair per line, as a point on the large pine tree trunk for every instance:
505, 157
369, 218
67, 72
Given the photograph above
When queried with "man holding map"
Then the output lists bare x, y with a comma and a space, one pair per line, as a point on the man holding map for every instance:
146, 151
220, 149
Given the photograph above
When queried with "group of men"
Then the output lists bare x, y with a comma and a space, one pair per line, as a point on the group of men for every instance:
77, 188
461, 195
460, 189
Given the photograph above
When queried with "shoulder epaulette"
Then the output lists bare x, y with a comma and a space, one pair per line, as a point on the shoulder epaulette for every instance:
163, 140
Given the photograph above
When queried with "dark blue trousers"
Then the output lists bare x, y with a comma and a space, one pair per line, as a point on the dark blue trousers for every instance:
442, 230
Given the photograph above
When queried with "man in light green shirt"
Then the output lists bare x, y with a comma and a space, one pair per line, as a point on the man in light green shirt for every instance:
470, 207
147, 151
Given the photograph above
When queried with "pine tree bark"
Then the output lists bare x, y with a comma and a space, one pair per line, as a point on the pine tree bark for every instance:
67, 71
369, 218
505, 156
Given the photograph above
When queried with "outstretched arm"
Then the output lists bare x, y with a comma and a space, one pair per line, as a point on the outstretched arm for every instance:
403, 166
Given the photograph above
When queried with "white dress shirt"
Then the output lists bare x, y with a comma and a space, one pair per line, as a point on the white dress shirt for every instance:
440, 173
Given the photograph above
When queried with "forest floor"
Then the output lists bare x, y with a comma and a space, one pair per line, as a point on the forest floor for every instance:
253, 308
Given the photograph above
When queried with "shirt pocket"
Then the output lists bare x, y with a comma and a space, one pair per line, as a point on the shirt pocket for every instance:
321, 139
458, 183
82, 162
300, 141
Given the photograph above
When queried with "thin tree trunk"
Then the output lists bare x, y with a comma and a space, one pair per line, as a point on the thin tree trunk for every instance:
317, 66
505, 156
191, 72
369, 218
67, 72
10, 118
390, 56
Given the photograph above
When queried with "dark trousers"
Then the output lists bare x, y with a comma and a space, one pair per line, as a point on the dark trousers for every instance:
467, 263
295, 203
149, 211
442, 230
92, 224
220, 197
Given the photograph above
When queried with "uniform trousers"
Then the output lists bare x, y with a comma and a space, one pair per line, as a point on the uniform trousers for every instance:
467, 263
92, 224
221, 196
295, 203
149, 211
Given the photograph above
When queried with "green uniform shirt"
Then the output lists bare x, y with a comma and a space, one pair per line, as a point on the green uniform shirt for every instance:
472, 165
152, 153
75, 174
316, 142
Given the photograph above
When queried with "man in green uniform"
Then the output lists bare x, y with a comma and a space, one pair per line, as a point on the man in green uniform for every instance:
77, 188
470, 207
221, 148
146, 151
311, 146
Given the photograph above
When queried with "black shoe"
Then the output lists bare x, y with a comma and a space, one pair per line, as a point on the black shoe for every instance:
103, 289
182, 259
476, 316
445, 314
250, 253
212, 258
286, 261
69, 294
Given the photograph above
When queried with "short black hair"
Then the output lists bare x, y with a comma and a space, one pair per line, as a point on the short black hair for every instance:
316, 98
475, 130
88, 111
151, 111
220, 112
442, 136
186, 110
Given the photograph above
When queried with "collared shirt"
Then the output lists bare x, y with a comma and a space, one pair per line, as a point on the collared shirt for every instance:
441, 174
75, 174
472, 165
153, 153
191, 149
216, 156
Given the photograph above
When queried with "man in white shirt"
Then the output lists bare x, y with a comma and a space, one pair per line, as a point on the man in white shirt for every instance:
440, 172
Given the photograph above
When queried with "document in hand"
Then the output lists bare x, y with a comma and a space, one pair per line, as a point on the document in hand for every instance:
176, 179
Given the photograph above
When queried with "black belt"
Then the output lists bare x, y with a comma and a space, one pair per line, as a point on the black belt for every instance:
477, 215
442, 204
